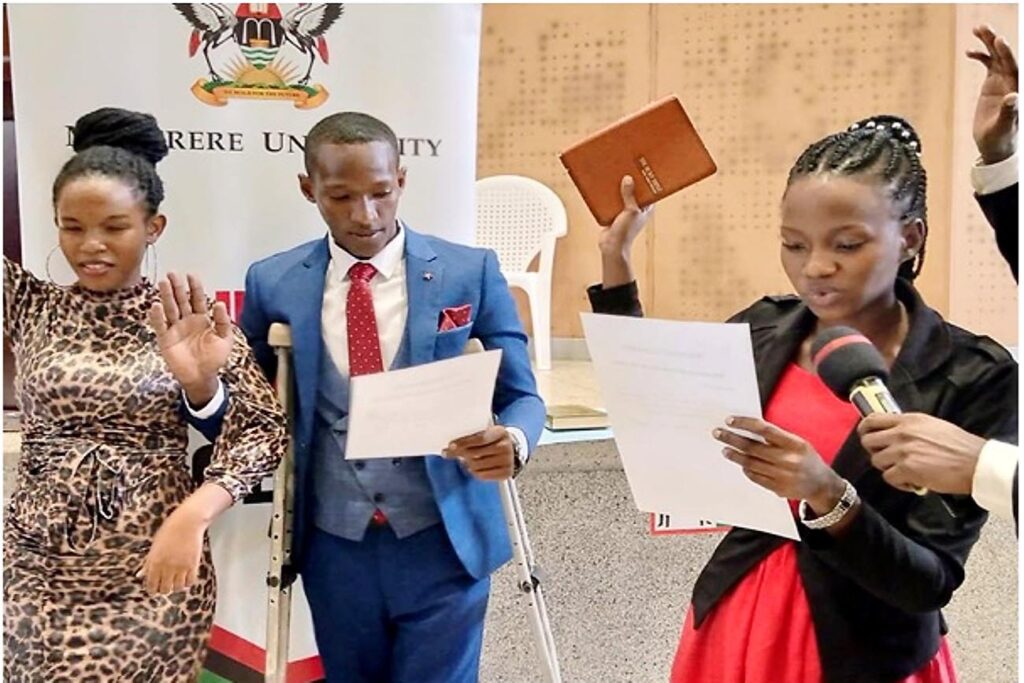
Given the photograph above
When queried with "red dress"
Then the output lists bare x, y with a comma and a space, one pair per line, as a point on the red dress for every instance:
761, 631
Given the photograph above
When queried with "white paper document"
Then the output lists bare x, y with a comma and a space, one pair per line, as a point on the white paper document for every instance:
420, 410
666, 386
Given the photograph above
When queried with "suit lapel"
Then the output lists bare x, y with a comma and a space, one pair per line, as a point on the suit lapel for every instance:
424, 281
781, 343
306, 293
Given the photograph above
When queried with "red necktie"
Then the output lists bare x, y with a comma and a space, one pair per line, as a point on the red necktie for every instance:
363, 342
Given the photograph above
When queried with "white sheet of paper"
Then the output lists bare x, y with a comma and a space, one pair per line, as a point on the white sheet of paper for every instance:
667, 385
420, 410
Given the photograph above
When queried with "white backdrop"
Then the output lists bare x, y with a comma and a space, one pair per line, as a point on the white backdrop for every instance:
413, 66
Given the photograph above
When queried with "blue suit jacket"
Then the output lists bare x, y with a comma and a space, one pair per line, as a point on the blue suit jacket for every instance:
289, 288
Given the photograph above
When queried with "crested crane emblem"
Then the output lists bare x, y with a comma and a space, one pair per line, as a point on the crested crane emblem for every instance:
273, 52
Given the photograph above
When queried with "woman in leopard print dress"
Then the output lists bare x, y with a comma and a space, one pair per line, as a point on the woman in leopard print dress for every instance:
107, 571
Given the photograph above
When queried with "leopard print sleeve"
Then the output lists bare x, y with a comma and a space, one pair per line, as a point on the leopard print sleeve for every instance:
21, 289
253, 437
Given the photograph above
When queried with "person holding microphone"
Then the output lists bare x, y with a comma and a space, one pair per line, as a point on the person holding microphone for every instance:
859, 599
914, 449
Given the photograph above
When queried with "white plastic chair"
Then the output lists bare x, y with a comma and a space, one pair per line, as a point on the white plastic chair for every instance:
518, 218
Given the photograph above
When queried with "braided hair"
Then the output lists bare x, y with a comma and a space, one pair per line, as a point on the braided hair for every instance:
121, 144
886, 148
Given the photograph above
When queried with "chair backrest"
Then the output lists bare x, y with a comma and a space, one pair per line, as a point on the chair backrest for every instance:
518, 217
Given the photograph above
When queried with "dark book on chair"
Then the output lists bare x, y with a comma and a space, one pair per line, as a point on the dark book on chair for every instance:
566, 417
658, 146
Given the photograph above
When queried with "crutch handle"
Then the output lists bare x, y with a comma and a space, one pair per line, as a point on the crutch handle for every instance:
280, 336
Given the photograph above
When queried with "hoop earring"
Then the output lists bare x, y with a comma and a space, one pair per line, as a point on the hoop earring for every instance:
151, 264
48, 274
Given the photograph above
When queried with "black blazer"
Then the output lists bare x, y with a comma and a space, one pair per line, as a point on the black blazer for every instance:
1003, 213
1001, 210
875, 592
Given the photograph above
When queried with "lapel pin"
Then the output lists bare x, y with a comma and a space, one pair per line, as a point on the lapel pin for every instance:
428, 276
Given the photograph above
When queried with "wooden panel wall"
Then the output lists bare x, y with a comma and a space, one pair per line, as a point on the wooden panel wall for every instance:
549, 75
982, 293
761, 82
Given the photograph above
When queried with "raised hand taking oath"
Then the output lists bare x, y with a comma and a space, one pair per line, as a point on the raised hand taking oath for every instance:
194, 341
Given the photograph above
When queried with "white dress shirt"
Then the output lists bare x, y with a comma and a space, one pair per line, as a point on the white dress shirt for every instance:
390, 301
211, 407
390, 308
992, 488
990, 178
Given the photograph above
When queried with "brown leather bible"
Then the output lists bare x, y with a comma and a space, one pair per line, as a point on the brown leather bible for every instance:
658, 146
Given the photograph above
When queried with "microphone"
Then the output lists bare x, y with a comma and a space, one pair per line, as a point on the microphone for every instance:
850, 365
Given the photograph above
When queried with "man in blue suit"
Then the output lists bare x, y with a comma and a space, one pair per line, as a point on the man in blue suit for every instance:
395, 555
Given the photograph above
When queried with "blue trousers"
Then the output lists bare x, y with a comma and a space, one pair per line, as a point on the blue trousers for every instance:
394, 611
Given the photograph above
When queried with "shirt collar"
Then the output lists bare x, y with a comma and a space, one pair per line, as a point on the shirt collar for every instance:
386, 261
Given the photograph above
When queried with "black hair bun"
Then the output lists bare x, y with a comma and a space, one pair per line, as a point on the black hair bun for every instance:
133, 131
898, 127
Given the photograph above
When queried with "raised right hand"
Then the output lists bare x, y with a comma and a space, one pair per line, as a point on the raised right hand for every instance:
618, 237
616, 240
194, 348
995, 115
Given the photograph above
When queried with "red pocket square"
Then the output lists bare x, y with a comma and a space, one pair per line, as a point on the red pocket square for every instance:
453, 317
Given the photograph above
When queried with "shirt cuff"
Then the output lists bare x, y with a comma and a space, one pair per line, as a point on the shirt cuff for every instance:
992, 488
990, 178
520, 438
211, 407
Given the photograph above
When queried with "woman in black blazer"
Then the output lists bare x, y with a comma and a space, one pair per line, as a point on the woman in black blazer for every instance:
858, 599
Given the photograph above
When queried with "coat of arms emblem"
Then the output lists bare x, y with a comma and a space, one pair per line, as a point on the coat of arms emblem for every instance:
264, 66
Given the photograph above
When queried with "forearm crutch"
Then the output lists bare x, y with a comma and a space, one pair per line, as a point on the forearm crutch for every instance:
529, 581
281, 575
528, 574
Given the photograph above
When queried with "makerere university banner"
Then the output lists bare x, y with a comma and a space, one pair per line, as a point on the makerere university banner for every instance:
236, 87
